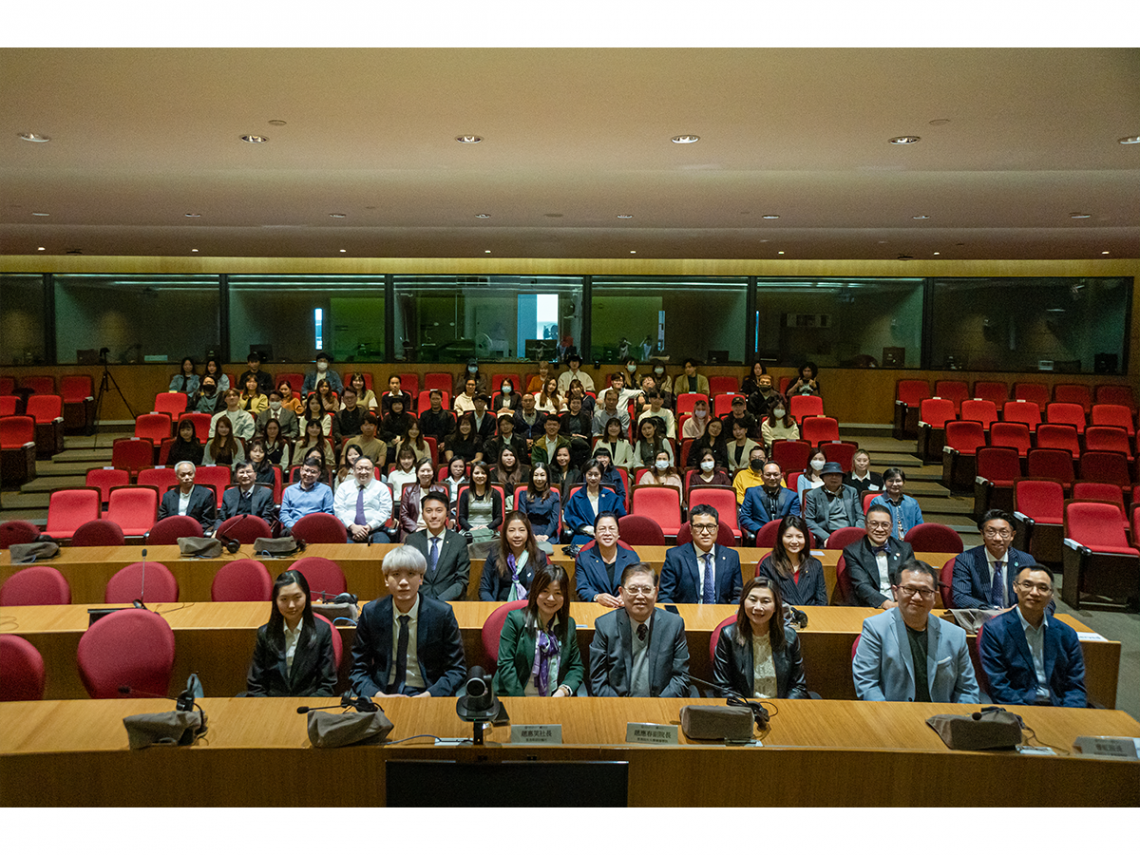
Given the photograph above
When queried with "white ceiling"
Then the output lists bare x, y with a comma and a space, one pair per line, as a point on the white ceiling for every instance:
572, 139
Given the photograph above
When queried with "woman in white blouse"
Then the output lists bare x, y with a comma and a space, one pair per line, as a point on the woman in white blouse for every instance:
621, 452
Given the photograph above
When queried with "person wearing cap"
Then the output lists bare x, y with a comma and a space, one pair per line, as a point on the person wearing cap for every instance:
544, 448
321, 372
573, 361
264, 381
833, 506
657, 411
739, 415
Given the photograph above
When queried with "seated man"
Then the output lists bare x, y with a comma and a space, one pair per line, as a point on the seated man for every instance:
248, 497
701, 572
436, 421
572, 373
485, 421
984, 575
348, 419
188, 499
322, 372
639, 651
394, 391
240, 419
832, 506
1053, 672
290, 427
904, 655
370, 444
751, 475
738, 414
407, 644
610, 410
874, 560
310, 496
657, 411
264, 381
363, 504
448, 565
544, 447
767, 502
528, 420
507, 438
904, 509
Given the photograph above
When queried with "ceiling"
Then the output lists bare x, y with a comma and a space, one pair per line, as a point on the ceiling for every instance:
1013, 142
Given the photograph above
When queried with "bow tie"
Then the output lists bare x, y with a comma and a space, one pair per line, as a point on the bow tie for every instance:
881, 550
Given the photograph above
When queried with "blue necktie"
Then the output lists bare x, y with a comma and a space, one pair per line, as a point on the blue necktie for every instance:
709, 595
997, 591
433, 555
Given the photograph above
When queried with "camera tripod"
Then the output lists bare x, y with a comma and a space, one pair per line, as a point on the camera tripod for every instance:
104, 386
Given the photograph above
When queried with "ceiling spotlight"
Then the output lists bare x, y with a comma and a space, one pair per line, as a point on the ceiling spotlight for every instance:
1105, 252
781, 252
921, 217
938, 253
1122, 140
685, 139
633, 252
277, 122
40, 214
254, 138
468, 139
482, 216
193, 250
487, 251
771, 217
28, 136
41, 248
192, 216
344, 250
907, 140
338, 216
625, 216
1077, 215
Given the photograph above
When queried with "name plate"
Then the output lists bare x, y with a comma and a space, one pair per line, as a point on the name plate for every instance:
1090, 636
651, 734
1111, 747
536, 734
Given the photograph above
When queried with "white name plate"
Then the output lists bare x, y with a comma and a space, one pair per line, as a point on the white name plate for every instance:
536, 734
1090, 636
651, 734
1111, 747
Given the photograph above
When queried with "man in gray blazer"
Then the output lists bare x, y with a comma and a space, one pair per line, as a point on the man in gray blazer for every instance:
639, 651
903, 655
832, 506
290, 427
448, 574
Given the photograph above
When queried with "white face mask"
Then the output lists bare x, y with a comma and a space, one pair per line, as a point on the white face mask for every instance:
658, 370
631, 367
779, 412
275, 405
708, 465
662, 465
817, 465
700, 414
322, 366
506, 389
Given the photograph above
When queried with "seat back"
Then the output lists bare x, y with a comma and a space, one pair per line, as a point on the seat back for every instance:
911, 392
7, 385
295, 380
171, 403
954, 390
1095, 491
688, 400
1097, 526
133, 648
802, 406
1114, 415
324, 576
723, 499
1066, 414
320, 528
1112, 394
493, 630
842, 453
766, 536
728, 621
99, 532
934, 537
132, 454
17, 431
423, 402
201, 424
497, 384
722, 404
1038, 393
9, 405
1010, 435
153, 426
245, 528
1115, 439
999, 464
792, 454
992, 390
76, 387
845, 536
36, 586
1105, 466
936, 411
44, 408
147, 581
974, 410
663, 504
946, 583
23, 670
1060, 437
217, 477
965, 437
1073, 393
166, 532
818, 429
438, 380
104, 478
44, 385
1024, 412
17, 531
410, 383
640, 531
843, 583
1040, 500
163, 478
69, 509
241, 580
134, 509
1053, 463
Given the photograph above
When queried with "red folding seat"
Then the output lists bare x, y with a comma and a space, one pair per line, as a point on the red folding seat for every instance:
35, 586
438, 380
960, 455
69, 509
1113, 415
296, 381
245, 528
10, 406
410, 383
1063, 437
106, 477
1066, 414
242, 580
99, 532
497, 383
817, 430
1023, 412
686, 401
320, 528
766, 536
1010, 435
662, 504
166, 531
17, 531
934, 537
153, 426
720, 384
132, 648
721, 498
161, 477
492, 632
47, 410
39, 385
1107, 467
201, 424
7, 385
1111, 439
998, 468
909, 394
1073, 393
792, 454
843, 537
1096, 491
217, 477
724, 536
953, 390
1054, 463
423, 404
171, 403
23, 670
933, 415
147, 581
946, 583
839, 452
722, 404
17, 450
843, 585
324, 576
977, 410
1038, 393
78, 395
992, 390
637, 530
1039, 506
1097, 558
134, 509
801, 407
1112, 394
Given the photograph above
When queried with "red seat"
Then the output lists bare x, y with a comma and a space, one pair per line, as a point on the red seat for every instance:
640, 531
75, 388
843, 585
992, 390
839, 452
47, 410
166, 532
132, 454
147, 581
23, 670
946, 583
912, 392
36, 586
960, 462
687, 400
242, 580
106, 477
1112, 394
201, 423
722, 404
792, 454
153, 426
1040, 507
1010, 435
1059, 436
410, 383
1113, 415
40, 385
245, 528
17, 531
1096, 491
1073, 393
724, 535
975, 410
134, 509
1054, 463
728, 621
817, 430
162, 478
1022, 412
1038, 393
69, 509
320, 528
802, 406
766, 536
9, 405
933, 537
955, 391
1097, 557
296, 381
1065, 414
132, 648
493, 630
325, 577
98, 533
868, 497
843, 537
723, 499
1114, 439
217, 477
7, 385
998, 468
662, 504
1136, 525
337, 641
1105, 466
934, 413
909, 394
720, 384
172, 404
423, 403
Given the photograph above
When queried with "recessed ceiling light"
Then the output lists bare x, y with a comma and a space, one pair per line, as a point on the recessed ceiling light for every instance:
1129, 140
633, 252
338, 216
277, 122
781, 252
254, 138
482, 216
771, 217
468, 139
487, 251
938, 253
907, 140
1077, 215
1105, 252
40, 214
192, 216
193, 250
685, 139
41, 248
28, 136
344, 250
921, 217
625, 216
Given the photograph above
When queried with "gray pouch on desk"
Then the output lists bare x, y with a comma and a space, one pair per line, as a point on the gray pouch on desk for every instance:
22, 552
168, 728
335, 730
705, 722
993, 727
332, 611
276, 546
199, 547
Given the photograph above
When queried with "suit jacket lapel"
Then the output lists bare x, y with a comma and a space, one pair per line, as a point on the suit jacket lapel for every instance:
625, 631
1052, 646
904, 645
386, 614
933, 634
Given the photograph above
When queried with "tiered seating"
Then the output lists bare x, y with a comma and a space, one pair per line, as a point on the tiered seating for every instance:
47, 410
69, 509
17, 450
955, 391
1097, 557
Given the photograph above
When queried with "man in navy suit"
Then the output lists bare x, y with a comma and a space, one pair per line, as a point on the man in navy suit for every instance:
767, 502
1028, 658
984, 576
188, 499
248, 497
407, 644
701, 572
873, 560
448, 565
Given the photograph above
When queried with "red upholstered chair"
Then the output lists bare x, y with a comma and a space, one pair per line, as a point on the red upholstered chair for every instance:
201, 423
1073, 393
845, 536
976, 410
1065, 414
17, 450
662, 504
324, 576
1113, 439
132, 454
497, 382
1105, 466
217, 477
438, 380
1097, 558
423, 402
992, 390
240, 581
245, 529
817, 430
17, 531
162, 478
171, 403
40, 385
98, 533
728, 621
10, 405
720, 384
23, 670
320, 528
493, 630
953, 390
960, 462
722, 404
106, 477
36, 586
1022, 412
724, 535
843, 586
47, 410
1053, 463
721, 498
839, 452
153, 426
946, 583
69, 509
78, 395
766, 536
1010, 435
148, 581
166, 532
1094, 491
792, 454
1113, 415
687, 400
1112, 394
933, 537
801, 407
296, 381
133, 648
868, 497
337, 641
908, 395
1135, 520
1059, 436
134, 509
998, 468
640, 531
1038, 393
7, 385
934, 413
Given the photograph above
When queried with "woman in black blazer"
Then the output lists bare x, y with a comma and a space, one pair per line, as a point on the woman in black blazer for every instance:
760, 631
563, 474
311, 669
509, 569
791, 567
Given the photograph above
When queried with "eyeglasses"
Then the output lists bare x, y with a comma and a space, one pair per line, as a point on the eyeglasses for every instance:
1029, 586
997, 532
640, 589
879, 526
916, 592
705, 526
606, 530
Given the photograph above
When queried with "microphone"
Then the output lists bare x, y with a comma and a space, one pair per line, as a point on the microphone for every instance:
360, 704
140, 602
183, 703
759, 713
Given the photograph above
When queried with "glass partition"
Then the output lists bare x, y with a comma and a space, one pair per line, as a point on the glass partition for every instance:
22, 319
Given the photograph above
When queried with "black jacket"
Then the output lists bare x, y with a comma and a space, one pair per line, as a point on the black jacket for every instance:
313, 671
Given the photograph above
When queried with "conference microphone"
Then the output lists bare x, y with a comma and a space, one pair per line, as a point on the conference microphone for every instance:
140, 603
360, 703
733, 699
183, 703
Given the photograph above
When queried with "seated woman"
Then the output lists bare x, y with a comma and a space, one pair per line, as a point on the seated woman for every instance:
739, 447
538, 382
621, 452
806, 382
542, 507
905, 512
252, 401
714, 441
564, 474
538, 648
709, 474
593, 499
651, 443
598, 570
695, 425
588, 401
290, 401
411, 513
465, 442
186, 446
548, 399
186, 380
214, 371
663, 473
779, 424
224, 449
365, 397
506, 398
414, 440
315, 412
403, 474
277, 447
456, 478
509, 473
480, 511
576, 423
509, 569
811, 478
348, 461
314, 438
792, 568
752, 383
209, 397
861, 477
327, 396
395, 425
261, 464
759, 656
293, 657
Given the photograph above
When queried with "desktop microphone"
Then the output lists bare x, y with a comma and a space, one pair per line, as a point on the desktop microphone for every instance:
759, 713
140, 602
183, 703
360, 704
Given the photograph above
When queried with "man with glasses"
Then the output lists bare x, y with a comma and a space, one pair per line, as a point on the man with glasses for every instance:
310, 496
702, 572
984, 575
767, 502
1028, 658
903, 655
873, 560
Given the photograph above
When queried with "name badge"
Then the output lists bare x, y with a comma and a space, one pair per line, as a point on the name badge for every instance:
536, 734
1111, 747
651, 734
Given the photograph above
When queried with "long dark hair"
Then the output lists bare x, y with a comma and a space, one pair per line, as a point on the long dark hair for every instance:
179, 441
775, 625
488, 489
309, 404
231, 443
277, 620
544, 577
715, 442
265, 465
531, 490
780, 559
514, 477
779, 401
531, 545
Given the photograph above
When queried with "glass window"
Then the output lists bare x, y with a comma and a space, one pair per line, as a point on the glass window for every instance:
451, 318
289, 318
138, 318
669, 318
850, 323
1066, 325
22, 319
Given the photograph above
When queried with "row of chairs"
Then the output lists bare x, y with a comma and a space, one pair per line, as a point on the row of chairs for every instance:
77, 392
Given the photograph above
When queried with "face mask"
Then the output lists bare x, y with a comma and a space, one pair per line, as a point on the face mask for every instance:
275, 405
658, 370
756, 465
708, 465
209, 391
322, 366
661, 465
631, 367
779, 412
471, 369
700, 414
506, 389
817, 465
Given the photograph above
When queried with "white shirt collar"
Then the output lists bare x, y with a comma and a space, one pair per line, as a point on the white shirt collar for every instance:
1026, 626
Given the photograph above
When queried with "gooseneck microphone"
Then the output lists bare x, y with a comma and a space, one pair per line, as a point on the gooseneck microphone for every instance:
140, 603
360, 704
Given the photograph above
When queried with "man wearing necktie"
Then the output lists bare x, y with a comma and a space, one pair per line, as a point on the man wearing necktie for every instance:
871, 560
448, 566
363, 504
702, 572
984, 576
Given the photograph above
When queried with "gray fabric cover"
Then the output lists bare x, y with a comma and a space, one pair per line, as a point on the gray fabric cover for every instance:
199, 547
335, 730
993, 729
168, 728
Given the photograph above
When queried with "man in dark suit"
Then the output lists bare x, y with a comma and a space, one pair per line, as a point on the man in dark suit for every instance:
448, 567
685, 576
1028, 658
506, 438
290, 427
188, 499
984, 575
639, 651
832, 506
767, 502
407, 645
872, 561
247, 497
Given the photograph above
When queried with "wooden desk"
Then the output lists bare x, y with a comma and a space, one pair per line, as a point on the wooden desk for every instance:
216, 640
815, 753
